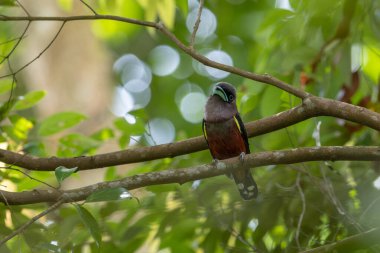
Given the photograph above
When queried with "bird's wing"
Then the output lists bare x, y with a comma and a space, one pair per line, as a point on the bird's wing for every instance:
242, 130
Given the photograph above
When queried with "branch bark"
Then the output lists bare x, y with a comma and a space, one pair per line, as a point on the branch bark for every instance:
311, 107
198, 172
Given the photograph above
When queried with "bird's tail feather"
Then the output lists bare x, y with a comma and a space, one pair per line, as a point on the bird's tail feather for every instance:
245, 184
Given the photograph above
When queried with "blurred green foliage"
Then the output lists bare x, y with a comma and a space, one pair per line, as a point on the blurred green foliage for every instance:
320, 46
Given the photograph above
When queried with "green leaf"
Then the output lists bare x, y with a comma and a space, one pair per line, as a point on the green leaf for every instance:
166, 11
29, 100
109, 195
249, 104
103, 135
59, 122
6, 107
270, 101
90, 222
76, 145
183, 6
8, 3
6, 85
131, 129
21, 127
61, 173
66, 5
111, 174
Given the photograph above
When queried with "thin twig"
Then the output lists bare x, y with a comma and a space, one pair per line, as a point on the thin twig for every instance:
23, 8
41, 53
329, 188
17, 43
300, 219
196, 25
149, 134
265, 78
29, 176
34, 219
11, 40
89, 7
350, 244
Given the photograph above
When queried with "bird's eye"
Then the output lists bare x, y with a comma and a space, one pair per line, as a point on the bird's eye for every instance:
231, 97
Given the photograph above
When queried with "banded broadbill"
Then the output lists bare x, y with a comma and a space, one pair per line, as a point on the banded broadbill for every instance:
226, 135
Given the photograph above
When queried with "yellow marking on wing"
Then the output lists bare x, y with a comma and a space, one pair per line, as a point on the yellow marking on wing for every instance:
204, 130
237, 123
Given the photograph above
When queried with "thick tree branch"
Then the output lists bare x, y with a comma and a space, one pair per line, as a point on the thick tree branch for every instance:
198, 172
311, 107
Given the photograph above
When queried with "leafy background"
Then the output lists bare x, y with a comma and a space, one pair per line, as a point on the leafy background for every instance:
329, 48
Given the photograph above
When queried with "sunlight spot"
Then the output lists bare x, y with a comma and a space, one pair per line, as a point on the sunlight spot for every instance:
283, 4
125, 195
184, 90
376, 183
122, 102
130, 118
208, 22
220, 57
141, 99
159, 131
192, 107
358, 57
136, 85
164, 60
195, 184
253, 224
135, 75
134, 140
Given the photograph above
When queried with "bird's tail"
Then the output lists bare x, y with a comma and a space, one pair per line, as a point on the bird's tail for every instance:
245, 184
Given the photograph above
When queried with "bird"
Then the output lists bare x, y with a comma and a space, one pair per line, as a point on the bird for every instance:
226, 135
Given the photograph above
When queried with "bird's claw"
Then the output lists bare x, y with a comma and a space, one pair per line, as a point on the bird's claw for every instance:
215, 161
241, 157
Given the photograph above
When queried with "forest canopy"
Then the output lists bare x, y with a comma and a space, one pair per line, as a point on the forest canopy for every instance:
101, 109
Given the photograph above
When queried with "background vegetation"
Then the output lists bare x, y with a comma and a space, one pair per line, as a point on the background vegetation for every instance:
143, 90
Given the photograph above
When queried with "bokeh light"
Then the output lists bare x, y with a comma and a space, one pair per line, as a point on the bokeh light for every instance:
220, 57
192, 107
283, 4
159, 131
135, 75
185, 89
141, 99
122, 102
376, 183
135, 92
358, 57
207, 26
164, 60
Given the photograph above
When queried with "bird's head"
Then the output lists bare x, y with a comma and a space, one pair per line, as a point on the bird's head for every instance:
225, 91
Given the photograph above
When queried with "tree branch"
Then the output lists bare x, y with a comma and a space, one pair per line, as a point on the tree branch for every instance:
311, 107
198, 172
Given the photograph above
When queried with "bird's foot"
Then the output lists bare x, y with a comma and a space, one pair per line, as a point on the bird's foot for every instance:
241, 157
215, 162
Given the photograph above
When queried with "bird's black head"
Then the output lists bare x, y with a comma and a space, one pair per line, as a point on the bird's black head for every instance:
225, 91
